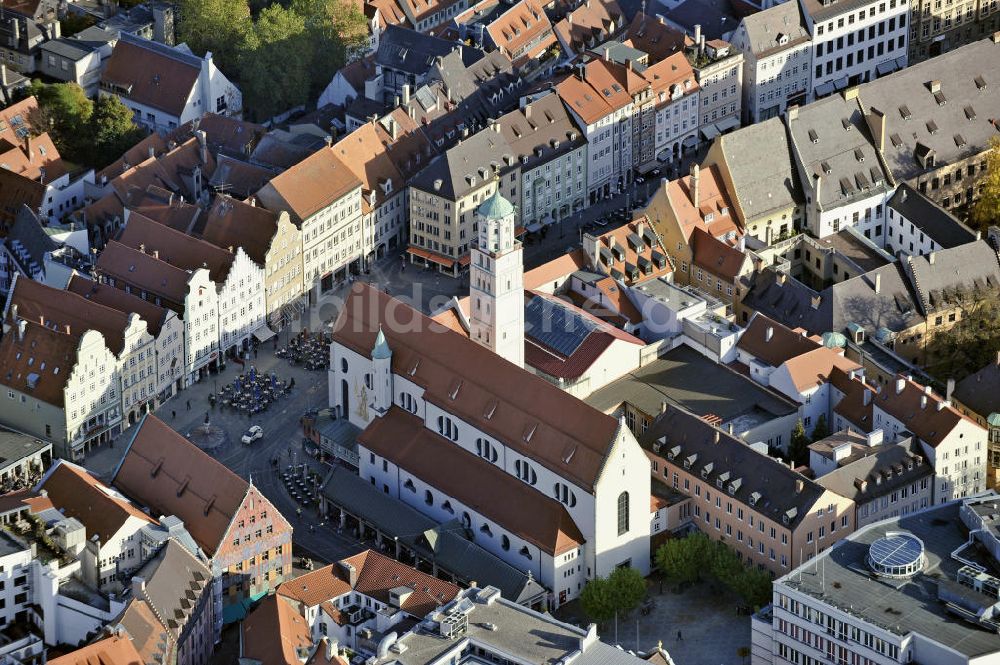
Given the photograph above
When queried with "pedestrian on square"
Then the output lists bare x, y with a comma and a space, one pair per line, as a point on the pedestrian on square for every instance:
189, 405
173, 415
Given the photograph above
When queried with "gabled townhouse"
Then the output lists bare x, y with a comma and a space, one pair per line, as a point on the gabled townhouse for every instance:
171, 613
935, 30
111, 551
576, 496
589, 24
718, 268
553, 156
718, 68
631, 255
430, 16
165, 86
182, 170
127, 336
604, 112
520, 30
777, 60
62, 385
933, 126
322, 196
166, 328
191, 295
115, 649
773, 517
237, 279
246, 539
757, 170
379, 154
406, 57
952, 443
884, 480
274, 633
270, 240
380, 14
840, 167
445, 195
365, 591
24, 26
794, 365
916, 226
854, 43
75, 60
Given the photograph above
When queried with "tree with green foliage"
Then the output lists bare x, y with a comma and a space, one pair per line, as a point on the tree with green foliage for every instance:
219, 26
112, 131
75, 22
597, 600
753, 586
681, 560
275, 65
337, 28
821, 430
64, 112
971, 343
628, 588
986, 211
798, 447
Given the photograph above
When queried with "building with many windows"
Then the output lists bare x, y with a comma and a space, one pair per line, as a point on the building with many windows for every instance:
937, 27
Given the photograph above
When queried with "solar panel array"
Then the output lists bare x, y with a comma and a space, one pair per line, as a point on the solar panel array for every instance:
556, 327
895, 550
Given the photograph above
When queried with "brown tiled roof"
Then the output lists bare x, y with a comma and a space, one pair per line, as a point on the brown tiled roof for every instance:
784, 343
20, 499
32, 157
168, 170
274, 633
163, 206
309, 186
134, 155
239, 178
109, 296
143, 271
524, 22
316, 587
590, 23
378, 575
517, 403
68, 312
176, 248
813, 368
76, 493
717, 257
230, 223
653, 37
636, 248
102, 211
503, 499
113, 650
17, 190
21, 358
18, 116
558, 269
150, 77
596, 95
222, 132
163, 470
149, 638
676, 198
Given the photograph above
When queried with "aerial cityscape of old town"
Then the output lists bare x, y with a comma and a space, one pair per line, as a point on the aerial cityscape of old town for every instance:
510, 332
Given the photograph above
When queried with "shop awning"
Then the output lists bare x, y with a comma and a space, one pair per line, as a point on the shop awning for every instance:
263, 334
690, 141
535, 227
886, 67
824, 89
840, 84
431, 256
709, 132
732, 122
465, 260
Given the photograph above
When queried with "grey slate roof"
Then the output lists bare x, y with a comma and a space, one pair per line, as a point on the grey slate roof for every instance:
934, 221
29, 234
908, 90
716, 17
981, 391
971, 268
71, 49
459, 168
759, 160
765, 27
914, 602
886, 468
851, 301
832, 140
413, 52
677, 435
444, 544
537, 126
681, 377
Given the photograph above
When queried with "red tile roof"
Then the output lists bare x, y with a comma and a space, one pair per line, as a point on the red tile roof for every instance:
22, 358
310, 186
402, 438
772, 342
275, 634
109, 296
150, 77
176, 248
719, 258
435, 357
113, 650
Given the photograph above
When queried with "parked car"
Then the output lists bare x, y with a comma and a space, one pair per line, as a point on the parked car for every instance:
254, 433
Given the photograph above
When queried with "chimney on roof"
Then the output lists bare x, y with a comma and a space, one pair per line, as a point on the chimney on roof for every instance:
729, 428
867, 397
818, 188
152, 152
156, 253
949, 389
607, 52
878, 282
769, 333
663, 406
799, 486
902, 195
930, 258
202, 145
935, 87
793, 112
69, 331
138, 587
816, 301
900, 384
405, 91
3, 74
781, 277
697, 33
695, 185
877, 126
717, 437
22, 325
527, 110
331, 648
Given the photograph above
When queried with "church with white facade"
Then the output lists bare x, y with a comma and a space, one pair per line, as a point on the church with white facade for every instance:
457, 429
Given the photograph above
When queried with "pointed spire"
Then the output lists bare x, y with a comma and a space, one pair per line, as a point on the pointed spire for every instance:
381, 350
